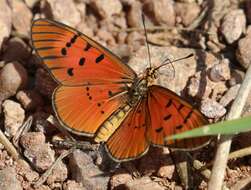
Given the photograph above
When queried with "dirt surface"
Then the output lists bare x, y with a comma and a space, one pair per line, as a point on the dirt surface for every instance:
217, 32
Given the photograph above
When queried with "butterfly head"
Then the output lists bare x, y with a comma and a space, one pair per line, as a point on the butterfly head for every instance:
151, 74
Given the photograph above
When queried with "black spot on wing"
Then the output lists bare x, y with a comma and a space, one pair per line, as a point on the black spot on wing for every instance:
63, 51
110, 93
70, 72
188, 116
100, 58
73, 39
158, 130
169, 103
81, 61
68, 44
87, 47
167, 117
179, 127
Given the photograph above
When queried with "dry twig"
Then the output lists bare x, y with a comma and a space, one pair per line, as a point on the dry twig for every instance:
9, 146
44, 177
220, 162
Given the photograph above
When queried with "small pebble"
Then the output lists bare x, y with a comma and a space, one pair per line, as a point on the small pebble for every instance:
85, 29
162, 11
24, 169
29, 99
134, 14
143, 183
220, 72
81, 7
31, 3
73, 185
59, 174
84, 171
198, 86
233, 25
166, 171
16, 50
21, 17
107, 8
13, 117
230, 95
37, 151
119, 21
5, 21
187, 17
5, 160
106, 36
31, 139
93, 23
66, 12
13, 77
135, 40
212, 109
237, 77
151, 162
120, 178
243, 52
8, 179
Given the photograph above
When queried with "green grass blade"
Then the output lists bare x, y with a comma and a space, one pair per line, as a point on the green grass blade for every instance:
224, 128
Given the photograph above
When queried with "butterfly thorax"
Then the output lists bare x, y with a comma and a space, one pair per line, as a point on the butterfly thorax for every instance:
139, 88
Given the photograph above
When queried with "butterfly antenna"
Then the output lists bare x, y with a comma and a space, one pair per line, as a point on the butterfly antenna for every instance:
168, 61
147, 45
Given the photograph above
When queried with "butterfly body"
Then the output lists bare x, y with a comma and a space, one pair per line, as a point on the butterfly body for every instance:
101, 97
136, 92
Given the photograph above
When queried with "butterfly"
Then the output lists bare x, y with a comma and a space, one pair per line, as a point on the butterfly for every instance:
99, 96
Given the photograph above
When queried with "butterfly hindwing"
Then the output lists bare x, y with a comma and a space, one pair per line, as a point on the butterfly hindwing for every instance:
170, 115
82, 109
129, 141
74, 59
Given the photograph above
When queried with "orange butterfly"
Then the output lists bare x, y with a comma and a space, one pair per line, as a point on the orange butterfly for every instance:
101, 97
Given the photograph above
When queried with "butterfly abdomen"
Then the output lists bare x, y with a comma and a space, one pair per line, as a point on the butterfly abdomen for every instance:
112, 123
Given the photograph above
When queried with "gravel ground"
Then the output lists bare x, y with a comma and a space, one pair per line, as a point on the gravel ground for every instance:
216, 32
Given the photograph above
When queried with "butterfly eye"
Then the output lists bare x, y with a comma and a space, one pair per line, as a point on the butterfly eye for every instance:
155, 74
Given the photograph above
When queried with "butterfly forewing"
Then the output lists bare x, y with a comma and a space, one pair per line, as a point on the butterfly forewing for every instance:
93, 81
170, 115
74, 59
